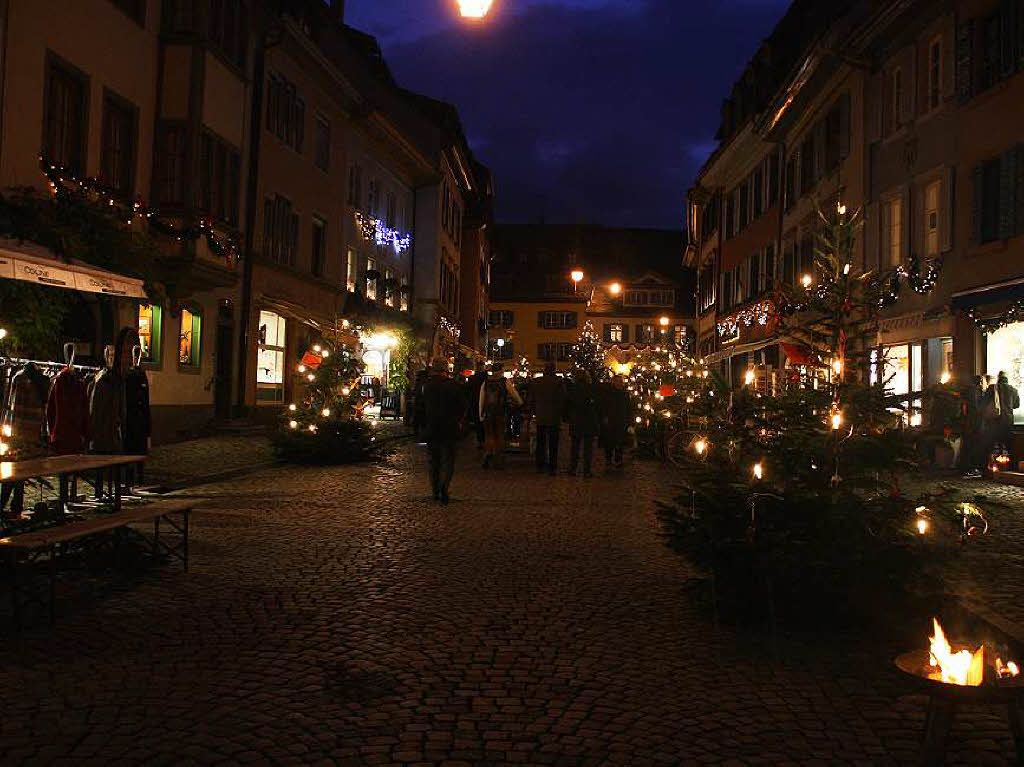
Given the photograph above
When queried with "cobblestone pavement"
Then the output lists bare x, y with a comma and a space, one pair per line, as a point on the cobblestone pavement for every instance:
337, 616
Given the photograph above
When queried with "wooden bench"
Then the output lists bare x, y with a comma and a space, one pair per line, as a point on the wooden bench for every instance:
54, 540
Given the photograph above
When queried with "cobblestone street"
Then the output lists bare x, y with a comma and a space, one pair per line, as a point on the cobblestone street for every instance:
337, 616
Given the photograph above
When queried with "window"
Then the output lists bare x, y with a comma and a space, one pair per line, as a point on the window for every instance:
707, 288
991, 59
371, 279
404, 294
389, 287
807, 165
896, 97
286, 112
190, 339
117, 151
350, 270
319, 241
228, 31
552, 352
134, 9
934, 74
150, 323
773, 180
280, 231
744, 205
615, 333
679, 335
790, 190
931, 219
646, 334
220, 177
769, 268
270, 358
730, 216
64, 118
833, 137
893, 222
501, 318
322, 142
557, 320
789, 265
726, 289
355, 185
179, 17
757, 192
392, 211
372, 198
170, 187
755, 276
1005, 348
987, 202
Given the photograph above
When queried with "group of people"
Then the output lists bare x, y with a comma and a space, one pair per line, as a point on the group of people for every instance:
990, 410
593, 410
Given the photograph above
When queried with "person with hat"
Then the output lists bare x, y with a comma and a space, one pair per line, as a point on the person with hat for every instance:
443, 410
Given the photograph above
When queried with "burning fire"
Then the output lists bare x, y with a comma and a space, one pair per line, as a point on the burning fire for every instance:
963, 668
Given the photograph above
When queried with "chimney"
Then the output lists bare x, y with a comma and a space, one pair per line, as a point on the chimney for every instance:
337, 10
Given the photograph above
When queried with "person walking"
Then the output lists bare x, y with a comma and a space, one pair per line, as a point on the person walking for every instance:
584, 422
547, 394
496, 394
974, 441
444, 408
476, 381
615, 422
1006, 400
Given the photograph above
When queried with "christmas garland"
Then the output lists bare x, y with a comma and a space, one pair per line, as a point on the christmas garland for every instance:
990, 324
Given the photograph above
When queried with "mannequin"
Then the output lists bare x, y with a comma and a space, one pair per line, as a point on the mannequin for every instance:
137, 430
106, 410
26, 417
67, 409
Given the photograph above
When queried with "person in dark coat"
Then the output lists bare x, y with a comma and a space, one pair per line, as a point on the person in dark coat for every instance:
419, 414
615, 421
444, 407
584, 422
547, 396
475, 382
974, 443
1004, 400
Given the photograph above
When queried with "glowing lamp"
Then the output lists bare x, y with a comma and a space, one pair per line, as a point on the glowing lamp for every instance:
345, 392
837, 420
474, 9
326, 412
576, 275
302, 368
615, 288
345, 323
639, 419
311, 378
700, 446
837, 367
293, 424
841, 208
922, 526
946, 377
748, 379
312, 428
846, 269
758, 471
664, 322
318, 348
3, 334
292, 407
6, 430
325, 354
806, 280
500, 342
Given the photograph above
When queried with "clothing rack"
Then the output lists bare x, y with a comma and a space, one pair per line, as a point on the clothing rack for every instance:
9, 366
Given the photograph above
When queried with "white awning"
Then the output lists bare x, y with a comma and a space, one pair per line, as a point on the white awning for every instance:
31, 263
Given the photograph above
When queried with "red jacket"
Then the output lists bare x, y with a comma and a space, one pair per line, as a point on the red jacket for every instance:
67, 414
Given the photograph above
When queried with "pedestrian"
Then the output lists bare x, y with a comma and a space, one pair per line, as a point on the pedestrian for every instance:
1005, 399
475, 382
615, 421
496, 395
547, 395
444, 408
419, 415
974, 442
584, 422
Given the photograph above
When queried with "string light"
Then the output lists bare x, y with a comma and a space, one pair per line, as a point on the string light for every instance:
807, 280
292, 407
293, 424
758, 471
326, 412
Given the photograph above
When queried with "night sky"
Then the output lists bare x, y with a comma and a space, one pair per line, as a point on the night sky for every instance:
589, 111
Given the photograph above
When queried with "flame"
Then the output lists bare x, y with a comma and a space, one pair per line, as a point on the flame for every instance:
963, 668
1009, 670
474, 9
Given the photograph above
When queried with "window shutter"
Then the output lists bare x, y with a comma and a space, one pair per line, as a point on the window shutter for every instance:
639, 333
946, 210
965, 61
844, 126
607, 333
625, 333
1007, 194
977, 207
540, 319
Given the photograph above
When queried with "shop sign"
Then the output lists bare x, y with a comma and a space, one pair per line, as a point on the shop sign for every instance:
30, 271
111, 287
59, 277
6, 268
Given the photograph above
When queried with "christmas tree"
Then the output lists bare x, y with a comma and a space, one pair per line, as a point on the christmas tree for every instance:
324, 426
792, 497
588, 354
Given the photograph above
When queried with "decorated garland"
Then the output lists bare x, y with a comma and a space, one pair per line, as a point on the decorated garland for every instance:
1012, 315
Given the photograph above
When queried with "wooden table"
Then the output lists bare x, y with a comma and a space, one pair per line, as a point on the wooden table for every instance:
64, 467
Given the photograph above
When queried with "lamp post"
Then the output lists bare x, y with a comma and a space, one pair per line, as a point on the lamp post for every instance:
577, 277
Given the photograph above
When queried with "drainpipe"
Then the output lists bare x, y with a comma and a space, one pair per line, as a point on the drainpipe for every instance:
5, 20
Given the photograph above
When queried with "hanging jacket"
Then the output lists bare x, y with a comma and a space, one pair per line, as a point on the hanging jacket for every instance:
137, 426
107, 413
26, 412
67, 414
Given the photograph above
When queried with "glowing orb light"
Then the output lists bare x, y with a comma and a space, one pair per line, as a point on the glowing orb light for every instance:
474, 9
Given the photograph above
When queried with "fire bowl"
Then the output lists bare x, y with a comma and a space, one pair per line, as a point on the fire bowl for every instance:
915, 664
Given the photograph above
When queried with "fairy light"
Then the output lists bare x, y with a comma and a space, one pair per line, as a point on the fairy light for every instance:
945, 378
311, 378
312, 428
346, 391
293, 424
700, 446
806, 281
293, 407
302, 368
326, 412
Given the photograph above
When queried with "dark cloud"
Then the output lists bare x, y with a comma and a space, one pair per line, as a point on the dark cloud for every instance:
588, 111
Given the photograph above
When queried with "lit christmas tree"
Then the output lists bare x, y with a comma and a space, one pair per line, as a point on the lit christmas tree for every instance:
588, 354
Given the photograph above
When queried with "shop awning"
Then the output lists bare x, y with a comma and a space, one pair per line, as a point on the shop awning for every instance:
29, 263
1000, 292
797, 355
732, 351
298, 312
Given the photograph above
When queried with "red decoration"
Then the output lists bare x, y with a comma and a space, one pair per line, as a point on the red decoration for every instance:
667, 390
312, 360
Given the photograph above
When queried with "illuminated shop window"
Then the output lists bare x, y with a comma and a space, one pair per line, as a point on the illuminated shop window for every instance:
270, 358
150, 332
190, 339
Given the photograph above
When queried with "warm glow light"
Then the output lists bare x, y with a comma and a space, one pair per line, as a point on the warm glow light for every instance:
615, 288
748, 379
806, 280
946, 377
3, 334
380, 342
700, 446
846, 269
664, 321
6, 470
639, 419
326, 354
841, 208
4, 448
474, 9
312, 427
964, 668
837, 420
922, 526
318, 348
345, 323
311, 378
500, 342
6, 430
302, 368
837, 367
326, 412
293, 424
345, 392
577, 275
292, 407
758, 471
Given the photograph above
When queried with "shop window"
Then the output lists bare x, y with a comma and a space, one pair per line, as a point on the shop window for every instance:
64, 117
903, 378
932, 197
117, 152
190, 339
270, 358
1005, 348
322, 142
615, 333
150, 325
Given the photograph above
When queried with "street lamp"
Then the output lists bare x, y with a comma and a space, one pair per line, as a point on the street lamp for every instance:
664, 322
474, 9
615, 288
576, 275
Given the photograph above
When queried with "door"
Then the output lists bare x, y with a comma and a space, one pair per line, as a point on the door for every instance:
224, 356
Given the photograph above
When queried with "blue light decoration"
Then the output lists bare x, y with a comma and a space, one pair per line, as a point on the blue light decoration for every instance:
382, 234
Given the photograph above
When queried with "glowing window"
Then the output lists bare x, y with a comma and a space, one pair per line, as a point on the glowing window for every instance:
150, 332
